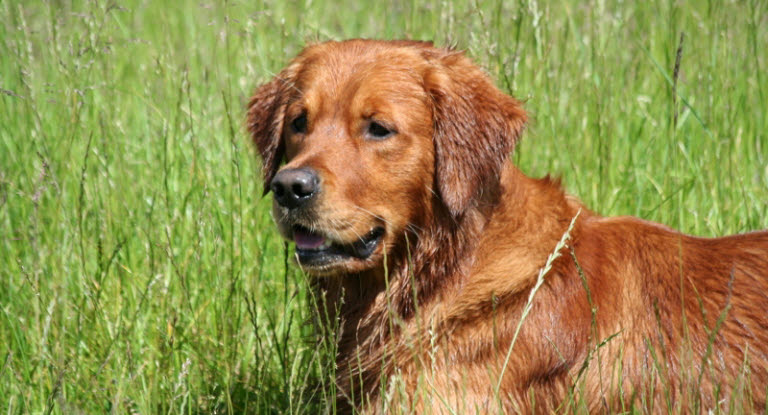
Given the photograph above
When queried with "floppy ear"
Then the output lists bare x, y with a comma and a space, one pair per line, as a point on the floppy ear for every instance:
476, 127
266, 113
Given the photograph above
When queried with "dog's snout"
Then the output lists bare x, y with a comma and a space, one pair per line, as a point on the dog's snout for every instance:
293, 188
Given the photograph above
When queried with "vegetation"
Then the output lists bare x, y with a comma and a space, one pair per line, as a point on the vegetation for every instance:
140, 269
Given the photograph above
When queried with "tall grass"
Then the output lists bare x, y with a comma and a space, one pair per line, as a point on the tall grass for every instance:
139, 268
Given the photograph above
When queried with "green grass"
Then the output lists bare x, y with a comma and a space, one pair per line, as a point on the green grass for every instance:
139, 268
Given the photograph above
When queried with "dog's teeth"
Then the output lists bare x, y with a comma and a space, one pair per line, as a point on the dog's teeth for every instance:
325, 245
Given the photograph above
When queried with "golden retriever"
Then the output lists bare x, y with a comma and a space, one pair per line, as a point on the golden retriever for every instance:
389, 166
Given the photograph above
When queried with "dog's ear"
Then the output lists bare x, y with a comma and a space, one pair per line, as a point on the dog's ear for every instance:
266, 113
476, 127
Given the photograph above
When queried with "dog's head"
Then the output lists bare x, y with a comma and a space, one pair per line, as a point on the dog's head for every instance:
372, 134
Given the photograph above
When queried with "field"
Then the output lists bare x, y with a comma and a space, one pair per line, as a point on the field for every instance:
140, 271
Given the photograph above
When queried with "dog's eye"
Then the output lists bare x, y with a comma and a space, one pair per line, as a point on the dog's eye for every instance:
299, 124
378, 131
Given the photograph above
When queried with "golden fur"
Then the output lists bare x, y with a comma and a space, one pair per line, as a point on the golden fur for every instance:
462, 235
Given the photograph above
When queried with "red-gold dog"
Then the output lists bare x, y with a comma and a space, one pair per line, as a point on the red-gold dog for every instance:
398, 191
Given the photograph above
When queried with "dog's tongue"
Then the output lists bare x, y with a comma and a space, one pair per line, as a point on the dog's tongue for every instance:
307, 240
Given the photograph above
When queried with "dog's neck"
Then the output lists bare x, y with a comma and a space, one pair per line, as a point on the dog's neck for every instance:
443, 250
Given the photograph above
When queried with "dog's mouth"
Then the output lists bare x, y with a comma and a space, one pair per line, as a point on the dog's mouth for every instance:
316, 250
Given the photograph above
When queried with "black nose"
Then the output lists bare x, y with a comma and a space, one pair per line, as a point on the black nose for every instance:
294, 187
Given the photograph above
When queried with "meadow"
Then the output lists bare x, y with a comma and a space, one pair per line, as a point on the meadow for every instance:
140, 271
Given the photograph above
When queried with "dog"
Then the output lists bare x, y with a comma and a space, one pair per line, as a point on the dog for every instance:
389, 166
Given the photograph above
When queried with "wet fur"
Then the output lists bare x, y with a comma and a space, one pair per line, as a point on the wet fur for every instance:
467, 234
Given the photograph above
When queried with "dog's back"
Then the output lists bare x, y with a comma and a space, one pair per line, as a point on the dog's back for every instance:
689, 314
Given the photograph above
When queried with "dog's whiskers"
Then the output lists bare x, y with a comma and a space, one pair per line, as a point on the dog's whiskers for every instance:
412, 226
